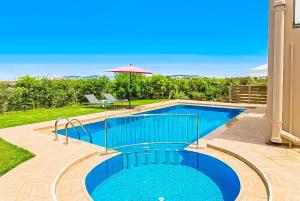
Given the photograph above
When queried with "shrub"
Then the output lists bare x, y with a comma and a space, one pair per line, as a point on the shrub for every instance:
94, 86
5, 91
20, 99
34, 92
180, 95
195, 95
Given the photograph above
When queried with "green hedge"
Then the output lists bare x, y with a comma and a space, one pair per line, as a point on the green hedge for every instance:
34, 92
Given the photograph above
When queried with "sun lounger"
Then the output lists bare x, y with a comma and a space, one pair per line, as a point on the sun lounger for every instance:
93, 100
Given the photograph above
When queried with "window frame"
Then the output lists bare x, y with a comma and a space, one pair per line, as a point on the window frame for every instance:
295, 25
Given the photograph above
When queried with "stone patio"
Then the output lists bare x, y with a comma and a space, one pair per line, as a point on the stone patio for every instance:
244, 138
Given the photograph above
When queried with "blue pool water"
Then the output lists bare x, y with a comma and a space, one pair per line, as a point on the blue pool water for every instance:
156, 167
195, 177
152, 182
131, 130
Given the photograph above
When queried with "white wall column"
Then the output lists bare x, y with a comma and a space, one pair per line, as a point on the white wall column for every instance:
279, 6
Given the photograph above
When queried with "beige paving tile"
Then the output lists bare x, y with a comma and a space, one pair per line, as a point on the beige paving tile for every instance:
250, 197
245, 136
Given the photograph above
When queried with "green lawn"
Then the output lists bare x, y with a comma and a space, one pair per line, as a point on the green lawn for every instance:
11, 156
10, 119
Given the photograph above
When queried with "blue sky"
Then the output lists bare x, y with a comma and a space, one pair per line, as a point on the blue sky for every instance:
210, 38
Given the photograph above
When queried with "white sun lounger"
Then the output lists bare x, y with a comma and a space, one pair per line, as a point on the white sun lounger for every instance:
112, 99
93, 100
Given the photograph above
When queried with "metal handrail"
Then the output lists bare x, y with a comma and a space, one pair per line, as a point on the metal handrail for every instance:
68, 120
81, 125
155, 141
56, 125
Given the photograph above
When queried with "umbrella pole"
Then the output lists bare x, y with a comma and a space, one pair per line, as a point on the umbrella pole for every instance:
129, 90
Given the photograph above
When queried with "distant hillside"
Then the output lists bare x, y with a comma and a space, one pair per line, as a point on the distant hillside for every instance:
111, 77
185, 76
77, 77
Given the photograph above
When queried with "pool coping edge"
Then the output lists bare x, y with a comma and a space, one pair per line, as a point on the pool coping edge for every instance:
64, 170
250, 164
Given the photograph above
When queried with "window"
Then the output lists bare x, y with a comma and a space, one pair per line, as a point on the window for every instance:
297, 13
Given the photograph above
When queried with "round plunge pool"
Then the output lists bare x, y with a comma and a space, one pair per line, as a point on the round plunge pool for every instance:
166, 176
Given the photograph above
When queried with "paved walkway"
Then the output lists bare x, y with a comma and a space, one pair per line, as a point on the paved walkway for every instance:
245, 136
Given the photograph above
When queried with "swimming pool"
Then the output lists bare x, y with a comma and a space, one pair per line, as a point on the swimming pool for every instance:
171, 128
194, 177
153, 164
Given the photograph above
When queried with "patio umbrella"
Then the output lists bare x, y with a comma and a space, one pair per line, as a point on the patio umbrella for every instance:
129, 69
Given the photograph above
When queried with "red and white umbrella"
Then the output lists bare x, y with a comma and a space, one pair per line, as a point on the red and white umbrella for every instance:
129, 69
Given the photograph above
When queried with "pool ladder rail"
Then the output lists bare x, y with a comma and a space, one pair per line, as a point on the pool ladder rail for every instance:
71, 122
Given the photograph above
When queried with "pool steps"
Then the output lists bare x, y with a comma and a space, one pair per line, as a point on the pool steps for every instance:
155, 156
